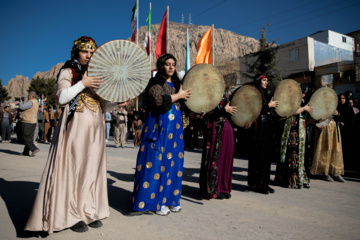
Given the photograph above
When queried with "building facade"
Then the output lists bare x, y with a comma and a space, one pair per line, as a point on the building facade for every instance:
325, 58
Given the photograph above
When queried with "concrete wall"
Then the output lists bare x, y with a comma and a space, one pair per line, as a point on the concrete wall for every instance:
303, 62
327, 54
298, 59
356, 36
322, 36
335, 39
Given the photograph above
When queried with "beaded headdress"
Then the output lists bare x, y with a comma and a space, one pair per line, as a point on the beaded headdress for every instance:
82, 44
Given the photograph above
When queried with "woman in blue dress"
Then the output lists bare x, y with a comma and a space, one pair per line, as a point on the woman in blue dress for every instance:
159, 166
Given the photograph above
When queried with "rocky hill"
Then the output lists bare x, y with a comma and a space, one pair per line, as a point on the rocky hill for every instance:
52, 73
17, 87
228, 47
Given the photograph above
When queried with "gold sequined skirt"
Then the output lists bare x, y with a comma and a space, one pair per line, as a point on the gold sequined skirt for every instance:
328, 156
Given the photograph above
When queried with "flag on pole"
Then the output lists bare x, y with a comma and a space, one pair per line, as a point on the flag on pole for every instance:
204, 47
187, 57
147, 42
161, 40
134, 20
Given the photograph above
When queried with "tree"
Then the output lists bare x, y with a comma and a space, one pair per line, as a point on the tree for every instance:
264, 61
4, 94
46, 87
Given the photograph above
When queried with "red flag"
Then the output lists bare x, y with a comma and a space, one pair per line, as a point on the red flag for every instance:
161, 40
134, 19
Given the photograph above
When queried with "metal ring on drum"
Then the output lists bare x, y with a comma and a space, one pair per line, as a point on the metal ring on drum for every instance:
123, 66
289, 94
207, 86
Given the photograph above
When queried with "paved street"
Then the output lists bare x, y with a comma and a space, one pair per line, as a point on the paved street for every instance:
328, 210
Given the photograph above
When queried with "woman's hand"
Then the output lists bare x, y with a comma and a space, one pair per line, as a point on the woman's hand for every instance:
308, 108
201, 115
92, 82
185, 94
126, 103
197, 115
230, 109
181, 94
273, 103
247, 126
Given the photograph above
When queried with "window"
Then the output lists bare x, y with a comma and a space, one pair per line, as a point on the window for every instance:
294, 55
344, 39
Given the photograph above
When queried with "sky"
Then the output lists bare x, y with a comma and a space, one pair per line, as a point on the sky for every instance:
36, 35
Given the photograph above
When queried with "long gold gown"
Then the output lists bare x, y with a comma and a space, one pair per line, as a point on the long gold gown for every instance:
328, 156
73, 187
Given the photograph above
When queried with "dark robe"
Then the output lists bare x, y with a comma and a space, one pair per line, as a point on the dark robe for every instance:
261, 154
218, 154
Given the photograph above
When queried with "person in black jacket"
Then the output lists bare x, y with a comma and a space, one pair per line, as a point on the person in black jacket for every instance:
260, 157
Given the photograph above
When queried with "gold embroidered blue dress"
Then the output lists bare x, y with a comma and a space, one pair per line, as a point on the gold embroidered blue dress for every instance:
159, 166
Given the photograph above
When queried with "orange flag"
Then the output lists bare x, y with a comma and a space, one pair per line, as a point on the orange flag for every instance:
204, 47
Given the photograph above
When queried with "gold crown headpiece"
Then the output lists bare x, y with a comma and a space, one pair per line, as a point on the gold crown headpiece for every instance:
84, 43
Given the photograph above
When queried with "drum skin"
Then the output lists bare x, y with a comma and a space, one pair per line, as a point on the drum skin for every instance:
207, 86
289, 94
124, 67
248, 101
324, 102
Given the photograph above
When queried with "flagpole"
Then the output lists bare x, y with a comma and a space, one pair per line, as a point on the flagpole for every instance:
137, 41
137, 22
187, 56
212, 44
167, 27
150, 40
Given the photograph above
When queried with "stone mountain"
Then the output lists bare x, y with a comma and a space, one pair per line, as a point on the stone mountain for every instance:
228, 46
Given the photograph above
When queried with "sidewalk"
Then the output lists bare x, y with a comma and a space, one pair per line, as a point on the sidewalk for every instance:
328, 210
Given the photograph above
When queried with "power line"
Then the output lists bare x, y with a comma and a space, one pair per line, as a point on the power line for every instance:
307, 19
276, 14
315, 10
301, 15
336, 10
206, 10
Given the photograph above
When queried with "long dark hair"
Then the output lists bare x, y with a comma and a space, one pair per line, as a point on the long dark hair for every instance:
161, 70
339, 99
137, 115
263, 91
